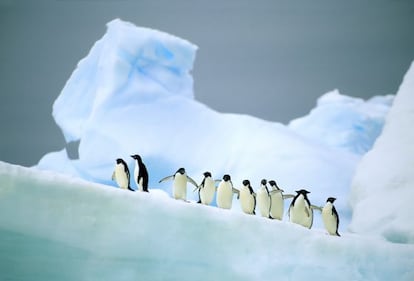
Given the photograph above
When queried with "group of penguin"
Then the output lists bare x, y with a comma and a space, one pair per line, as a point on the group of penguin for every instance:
269, 202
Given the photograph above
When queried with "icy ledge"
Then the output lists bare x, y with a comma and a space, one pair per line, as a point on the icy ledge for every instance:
90, 231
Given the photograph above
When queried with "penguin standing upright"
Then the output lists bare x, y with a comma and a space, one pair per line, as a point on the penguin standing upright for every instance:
140, 173
225, 192
330, 217
206, 189
263, 199
121, 174
180, 183
277, 203
247, 198
300, 210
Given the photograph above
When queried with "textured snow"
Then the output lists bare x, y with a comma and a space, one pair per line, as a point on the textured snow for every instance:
383, 187
57, 227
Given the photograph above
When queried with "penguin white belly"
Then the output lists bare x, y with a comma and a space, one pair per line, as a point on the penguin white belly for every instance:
276, 205
136, 173
329, 220
301, 213
224, 195
263, 202
246, 200
121, 177
207, 192
180, 187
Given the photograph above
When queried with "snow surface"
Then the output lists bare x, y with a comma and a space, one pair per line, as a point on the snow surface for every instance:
133, 95
383, 187
57, 227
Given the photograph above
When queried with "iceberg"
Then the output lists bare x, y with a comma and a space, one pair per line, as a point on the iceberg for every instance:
344, 122
133, 94
58, 227
383, 186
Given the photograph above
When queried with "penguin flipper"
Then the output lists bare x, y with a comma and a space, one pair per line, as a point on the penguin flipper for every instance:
130, 189
235, 190
197, 188
287, 196
193, 182
166, 178
316, 208
113, 175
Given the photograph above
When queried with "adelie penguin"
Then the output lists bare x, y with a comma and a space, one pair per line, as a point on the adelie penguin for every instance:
180, 179
300, 210
330, 217
225, 192
121, 174
140, 173
206, 189
277, 203
263, 199
247, 198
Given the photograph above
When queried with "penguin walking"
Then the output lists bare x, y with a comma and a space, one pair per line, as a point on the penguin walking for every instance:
247, 198
121, 174
263, 199
225, 192
140, 173
276, 201
180, 179
206, 189
300, 210
330, 217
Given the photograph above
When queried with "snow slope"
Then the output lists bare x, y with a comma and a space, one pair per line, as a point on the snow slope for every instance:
56, 227
383, 186
133, 94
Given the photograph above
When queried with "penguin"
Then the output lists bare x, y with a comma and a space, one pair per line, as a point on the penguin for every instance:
263, 199
121, 174
276, 201
180, 183
140, 173
225, 192
206, 189
330, 217
300, 210
247, 198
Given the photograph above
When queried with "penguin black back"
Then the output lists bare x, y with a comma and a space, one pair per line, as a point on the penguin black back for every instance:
143, 172
334, 213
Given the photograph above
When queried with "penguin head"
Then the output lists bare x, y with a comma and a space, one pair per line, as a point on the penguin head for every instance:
119, 161
136, 157
263, 182
246, 182
303, 192
331, 199
226, 177
207, 174
181, 171
274, 185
